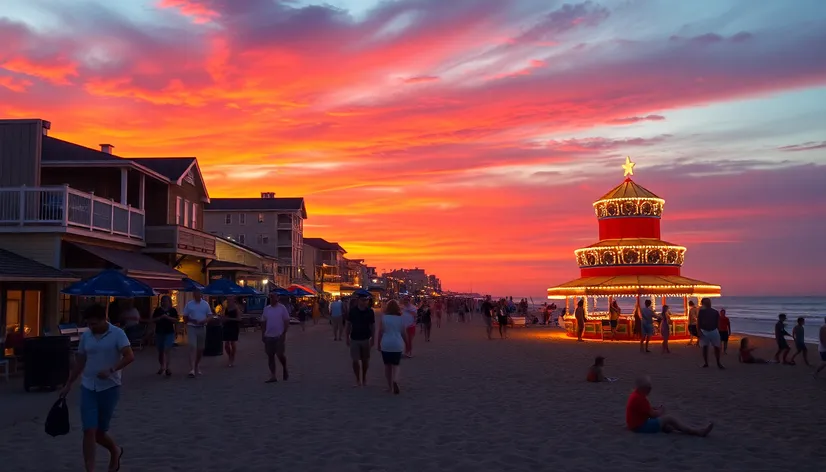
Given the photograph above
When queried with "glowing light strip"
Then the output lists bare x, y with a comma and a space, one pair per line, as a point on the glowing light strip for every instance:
619, 248
624, 199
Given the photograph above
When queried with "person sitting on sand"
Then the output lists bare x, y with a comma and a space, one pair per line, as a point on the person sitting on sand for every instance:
595, 371
640, 417
745, 353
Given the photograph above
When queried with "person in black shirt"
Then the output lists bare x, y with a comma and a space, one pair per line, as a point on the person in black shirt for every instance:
487, 315
165, 317
231, 328
780, 334
426, 319
708, 322
361, 331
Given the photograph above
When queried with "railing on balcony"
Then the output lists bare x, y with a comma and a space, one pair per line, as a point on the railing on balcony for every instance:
65, 207
179, 239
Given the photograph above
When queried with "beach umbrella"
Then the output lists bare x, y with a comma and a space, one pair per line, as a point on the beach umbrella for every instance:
110, 283
191, 285
362, 293
227, 288
300, 291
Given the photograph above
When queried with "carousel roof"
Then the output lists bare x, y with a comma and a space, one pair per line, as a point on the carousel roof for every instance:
631, 242
629, 189
633, 285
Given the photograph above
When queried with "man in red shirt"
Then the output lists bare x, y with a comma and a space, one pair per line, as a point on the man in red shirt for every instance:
641, 418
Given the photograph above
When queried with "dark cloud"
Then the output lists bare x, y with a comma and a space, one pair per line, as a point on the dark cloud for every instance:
564, 19
636, 119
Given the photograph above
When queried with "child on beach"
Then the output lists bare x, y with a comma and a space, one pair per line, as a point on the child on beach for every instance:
725, 330
665, 328
800, 341
595, 373
745, 353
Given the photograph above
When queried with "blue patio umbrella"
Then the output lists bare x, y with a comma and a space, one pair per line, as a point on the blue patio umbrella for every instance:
110, 283
191, 285
362, 293
227, 288
281, 292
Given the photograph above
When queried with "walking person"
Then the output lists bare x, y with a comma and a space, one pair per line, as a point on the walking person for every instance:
692, 323
392, 333
614, 313
708, 323
780, 334
231, 329
427, 320
301, 313
275, 321
725, 330
579, 314
438, 307
502, 319
165, 318
337, 319
487, 315
665, 328
821, 348
409, 316
104, 351
647, 327
197, 313
798, 333
361, 331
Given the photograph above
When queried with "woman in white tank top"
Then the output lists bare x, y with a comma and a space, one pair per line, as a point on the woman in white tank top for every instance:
392, 339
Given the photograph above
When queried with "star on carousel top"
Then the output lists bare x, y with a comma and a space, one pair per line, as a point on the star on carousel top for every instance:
628, 167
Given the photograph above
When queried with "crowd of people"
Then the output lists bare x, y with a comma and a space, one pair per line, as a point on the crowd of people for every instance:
105, 349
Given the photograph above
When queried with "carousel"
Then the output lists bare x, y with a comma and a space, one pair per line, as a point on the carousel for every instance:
630, 261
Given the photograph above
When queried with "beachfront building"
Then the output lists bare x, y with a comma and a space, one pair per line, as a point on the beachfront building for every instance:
630, 260
324, 265
270, 224
242, 264
80, 210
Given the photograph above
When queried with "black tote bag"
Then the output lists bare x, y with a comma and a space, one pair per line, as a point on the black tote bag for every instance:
57, 423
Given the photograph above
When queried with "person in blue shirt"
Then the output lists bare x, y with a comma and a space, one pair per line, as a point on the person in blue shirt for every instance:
336, 318
104, 351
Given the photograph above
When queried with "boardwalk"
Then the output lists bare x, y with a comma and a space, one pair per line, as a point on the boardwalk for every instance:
467, 404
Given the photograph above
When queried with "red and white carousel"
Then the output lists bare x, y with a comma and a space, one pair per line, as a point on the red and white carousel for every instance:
630, 260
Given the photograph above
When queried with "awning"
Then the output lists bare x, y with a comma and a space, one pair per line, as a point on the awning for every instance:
133, 263
163, 285
633, 285
16, 268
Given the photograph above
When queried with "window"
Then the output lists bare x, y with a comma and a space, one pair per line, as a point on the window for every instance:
263, 239
242, 238
228, 219
242, 219
186, 213
194, 216
178, 210
260, 217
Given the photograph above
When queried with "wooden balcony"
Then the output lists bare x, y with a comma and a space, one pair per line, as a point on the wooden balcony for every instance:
64, 209
174, 239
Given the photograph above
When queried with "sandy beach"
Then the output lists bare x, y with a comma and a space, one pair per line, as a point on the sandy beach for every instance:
467, 404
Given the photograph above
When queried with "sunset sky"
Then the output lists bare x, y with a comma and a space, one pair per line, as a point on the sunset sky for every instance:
468, 137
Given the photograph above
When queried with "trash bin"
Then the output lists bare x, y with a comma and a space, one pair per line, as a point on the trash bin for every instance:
214, 343
47, 360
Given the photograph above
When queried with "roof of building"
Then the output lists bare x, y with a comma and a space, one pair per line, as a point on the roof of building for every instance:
130, 261
324, 245
258, 204
235, 243
633, 285
629, 189
14, 267
57, 150
173, 168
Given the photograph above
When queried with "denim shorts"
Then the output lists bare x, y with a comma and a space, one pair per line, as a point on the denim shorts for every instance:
164, 341
647, 329
96, 408
651, 426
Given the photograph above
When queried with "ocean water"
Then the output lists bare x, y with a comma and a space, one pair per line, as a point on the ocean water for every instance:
754, 316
